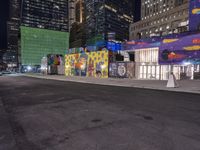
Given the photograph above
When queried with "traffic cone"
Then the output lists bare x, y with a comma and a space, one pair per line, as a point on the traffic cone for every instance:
172, 82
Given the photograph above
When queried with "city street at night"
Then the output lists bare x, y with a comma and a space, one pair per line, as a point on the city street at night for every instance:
100, 75
40, 114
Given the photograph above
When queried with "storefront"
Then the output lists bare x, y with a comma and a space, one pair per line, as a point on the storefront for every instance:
161, 72
146, 61
156, 60
147, 65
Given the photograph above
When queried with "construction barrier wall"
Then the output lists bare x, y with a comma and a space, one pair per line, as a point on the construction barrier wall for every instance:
90, 64
122, 69
37, 43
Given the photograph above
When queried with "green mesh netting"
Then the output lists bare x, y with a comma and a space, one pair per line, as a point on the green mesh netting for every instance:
37, 43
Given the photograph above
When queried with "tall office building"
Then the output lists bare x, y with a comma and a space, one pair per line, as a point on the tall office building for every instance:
3, 18
46, 14
79, 11
12, 54
76, 11
161, 17
3, 31
156, 7
108, 19
44, 29
77, 31
72, 13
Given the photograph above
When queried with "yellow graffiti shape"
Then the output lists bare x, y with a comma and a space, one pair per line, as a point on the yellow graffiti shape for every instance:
170, 40
192, 48
196, 11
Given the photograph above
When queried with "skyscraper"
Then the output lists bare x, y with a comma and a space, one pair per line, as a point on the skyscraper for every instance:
71, 15
77, 31
79, 11
76, 8
45, 14
3, 32
13, 23
107, 19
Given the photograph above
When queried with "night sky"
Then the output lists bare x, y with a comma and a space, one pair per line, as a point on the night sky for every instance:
3, 18
136, 10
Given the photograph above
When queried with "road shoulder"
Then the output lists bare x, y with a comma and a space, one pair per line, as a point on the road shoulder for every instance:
7, 141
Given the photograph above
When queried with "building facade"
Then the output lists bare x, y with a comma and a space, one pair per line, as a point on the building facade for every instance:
77, 31
44, 30
72, 13
194, 16
156, 58
3, 36
107, 19
76, 11
3, 19
45, 14
161, 17
12, 54
77, 35
79, 11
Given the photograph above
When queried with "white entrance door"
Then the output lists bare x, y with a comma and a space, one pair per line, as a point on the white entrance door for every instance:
150, 72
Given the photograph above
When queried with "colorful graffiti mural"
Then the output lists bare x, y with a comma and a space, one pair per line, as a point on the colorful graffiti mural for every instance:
143, 43
154, 41
90, 64
55, 59
55, 63
182, 50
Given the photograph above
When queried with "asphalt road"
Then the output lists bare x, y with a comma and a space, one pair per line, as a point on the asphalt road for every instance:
37, 114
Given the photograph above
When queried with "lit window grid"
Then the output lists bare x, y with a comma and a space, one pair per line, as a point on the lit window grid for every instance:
149, 55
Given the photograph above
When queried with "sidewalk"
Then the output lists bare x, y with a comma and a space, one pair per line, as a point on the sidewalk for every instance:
188, 86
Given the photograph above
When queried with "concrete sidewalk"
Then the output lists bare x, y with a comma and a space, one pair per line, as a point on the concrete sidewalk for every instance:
188, 86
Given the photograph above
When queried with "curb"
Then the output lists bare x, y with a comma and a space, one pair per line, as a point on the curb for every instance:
113, 84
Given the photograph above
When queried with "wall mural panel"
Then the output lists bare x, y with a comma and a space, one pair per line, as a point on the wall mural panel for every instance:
90, 64
181, 50
122, 70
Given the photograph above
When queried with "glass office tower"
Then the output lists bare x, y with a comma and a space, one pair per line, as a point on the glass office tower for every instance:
47, 14
108, 19
12, 52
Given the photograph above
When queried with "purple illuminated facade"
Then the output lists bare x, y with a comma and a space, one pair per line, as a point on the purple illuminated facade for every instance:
180, 50
194, 18
155, 58
174, 49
